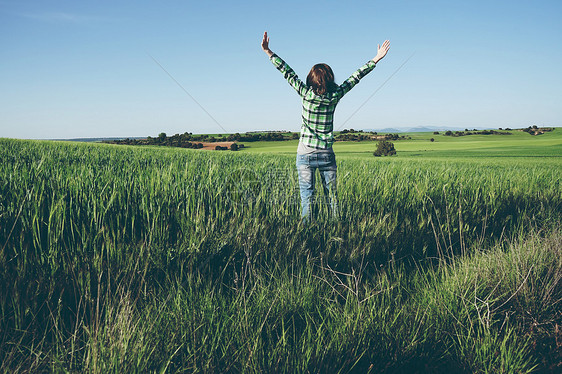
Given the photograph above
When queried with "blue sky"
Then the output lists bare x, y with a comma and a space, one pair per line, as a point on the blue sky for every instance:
83, 69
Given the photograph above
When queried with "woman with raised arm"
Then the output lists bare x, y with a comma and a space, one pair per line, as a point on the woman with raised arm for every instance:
320, 95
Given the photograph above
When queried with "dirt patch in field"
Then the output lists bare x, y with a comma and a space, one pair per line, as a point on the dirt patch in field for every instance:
213, 145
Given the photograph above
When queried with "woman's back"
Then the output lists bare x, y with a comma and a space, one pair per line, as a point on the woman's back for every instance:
318, 109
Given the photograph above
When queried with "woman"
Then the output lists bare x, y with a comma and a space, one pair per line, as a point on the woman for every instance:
320, 95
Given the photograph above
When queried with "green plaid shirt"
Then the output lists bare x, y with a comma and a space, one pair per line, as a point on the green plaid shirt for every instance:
318, 110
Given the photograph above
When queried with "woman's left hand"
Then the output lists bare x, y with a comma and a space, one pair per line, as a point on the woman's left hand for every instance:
381, 51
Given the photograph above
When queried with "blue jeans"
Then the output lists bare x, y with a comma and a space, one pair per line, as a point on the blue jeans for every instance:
306, 167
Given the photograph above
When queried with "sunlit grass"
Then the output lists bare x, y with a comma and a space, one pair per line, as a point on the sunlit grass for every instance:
147, 259
491, 147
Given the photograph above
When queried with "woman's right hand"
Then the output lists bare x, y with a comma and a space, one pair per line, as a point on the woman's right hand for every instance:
265, 44
381, 51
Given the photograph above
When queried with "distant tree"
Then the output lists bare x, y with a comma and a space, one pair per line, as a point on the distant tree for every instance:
449, 133
391, 136
234, 147
295, 135
384, 148
431, 140
162, 136
436, 133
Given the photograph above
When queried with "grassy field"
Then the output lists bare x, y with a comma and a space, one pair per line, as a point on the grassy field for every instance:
120, 259
519, 144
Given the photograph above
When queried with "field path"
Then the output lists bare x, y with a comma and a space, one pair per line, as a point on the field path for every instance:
214, 144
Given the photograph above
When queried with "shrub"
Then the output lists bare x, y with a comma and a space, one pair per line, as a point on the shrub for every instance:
384, 148
436, 133
431, 140
234, 147
392, 136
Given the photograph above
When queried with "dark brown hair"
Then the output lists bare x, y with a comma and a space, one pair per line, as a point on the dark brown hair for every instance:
321, 79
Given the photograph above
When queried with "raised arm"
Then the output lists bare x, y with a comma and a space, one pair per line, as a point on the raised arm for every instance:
283, 67
363, 70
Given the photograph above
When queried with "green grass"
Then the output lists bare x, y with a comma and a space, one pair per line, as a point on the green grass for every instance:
117, 258
519, 144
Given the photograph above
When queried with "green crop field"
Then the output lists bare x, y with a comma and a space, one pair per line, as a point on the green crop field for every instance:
518, 144
447, 258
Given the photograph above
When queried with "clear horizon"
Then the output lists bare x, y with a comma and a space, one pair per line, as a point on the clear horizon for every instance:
385, 130
88, 70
